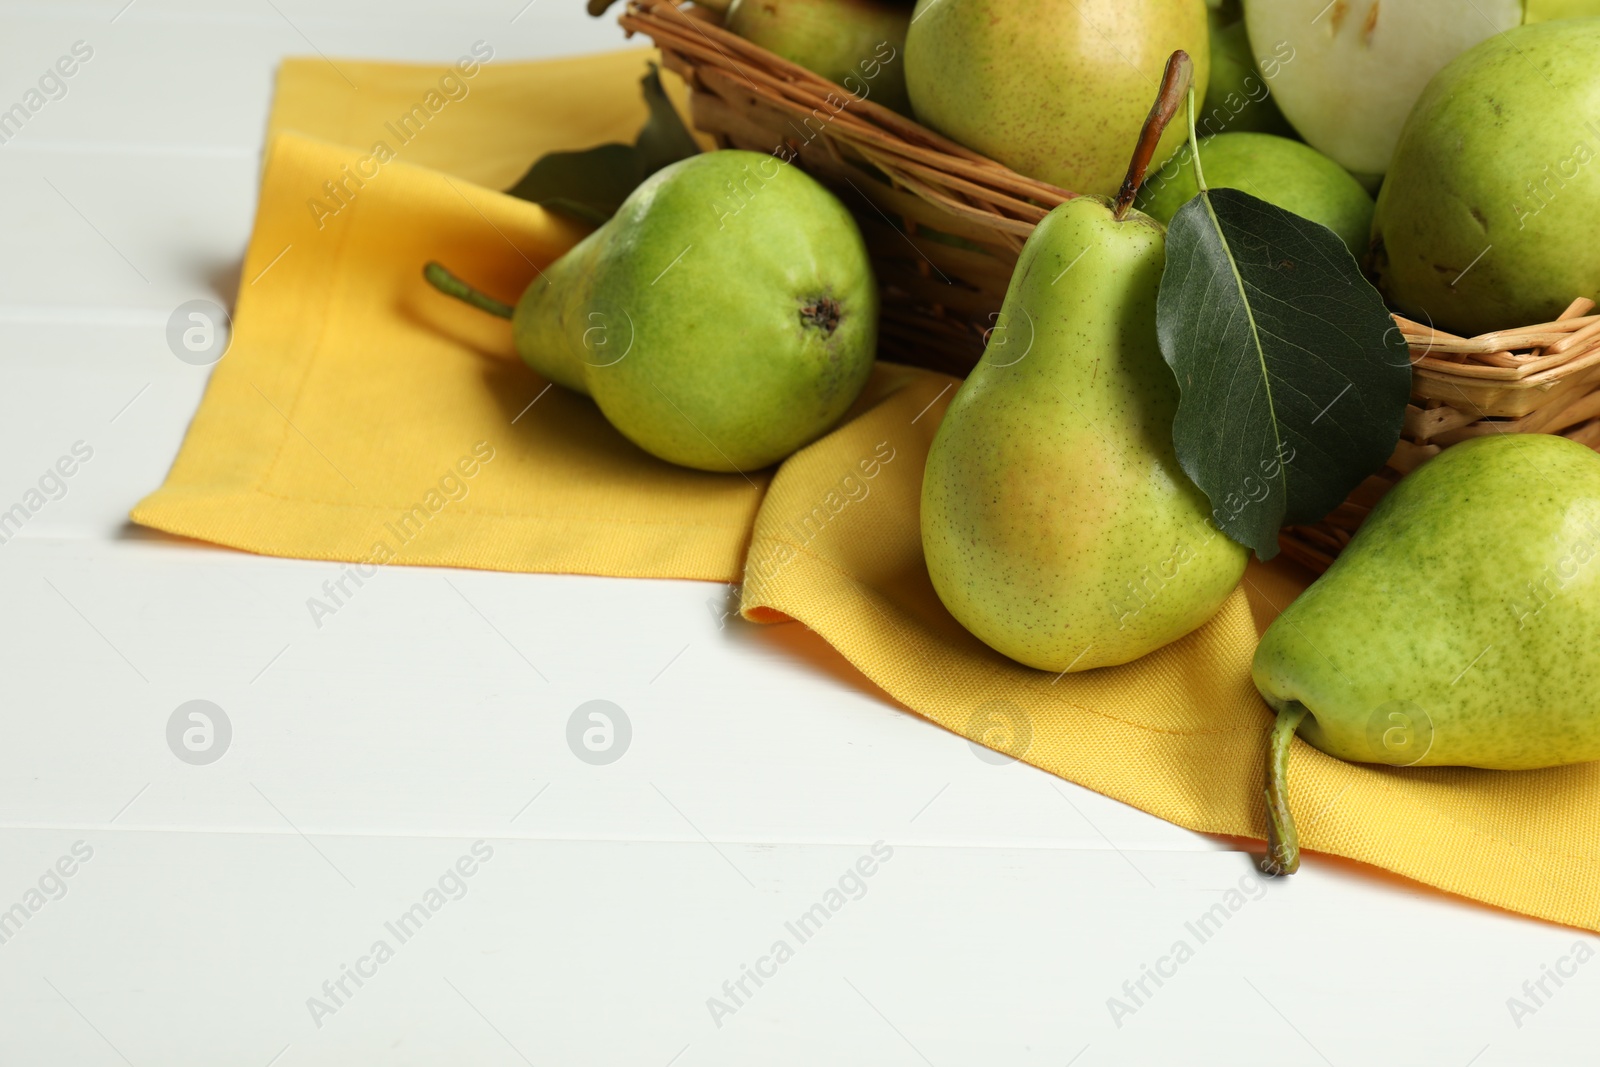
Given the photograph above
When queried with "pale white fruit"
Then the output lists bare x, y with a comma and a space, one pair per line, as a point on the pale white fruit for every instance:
1357, 66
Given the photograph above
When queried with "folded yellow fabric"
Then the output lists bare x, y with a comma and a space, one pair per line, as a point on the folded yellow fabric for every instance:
359, 416
342, 421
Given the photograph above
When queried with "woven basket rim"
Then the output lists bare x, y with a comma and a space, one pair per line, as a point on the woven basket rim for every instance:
1522, 357
1540, 378
800, 91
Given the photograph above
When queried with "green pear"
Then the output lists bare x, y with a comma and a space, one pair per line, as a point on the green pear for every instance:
1487, 218
1057, 525
1457, 628
1238, 98
726, 316
858, 43
1054, 89
1294, 176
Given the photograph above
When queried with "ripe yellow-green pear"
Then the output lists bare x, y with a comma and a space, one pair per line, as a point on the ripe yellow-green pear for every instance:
1294, 176
1057, 524
858, 43
1487, 219
724, 317
1054, 89
1457, 629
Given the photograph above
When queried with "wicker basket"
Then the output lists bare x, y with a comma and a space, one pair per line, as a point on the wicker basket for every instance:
944, 226
1534, 379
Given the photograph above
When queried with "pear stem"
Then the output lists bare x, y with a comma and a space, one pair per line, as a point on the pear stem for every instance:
1194, 146
1175, 81
450, 285
1283, 843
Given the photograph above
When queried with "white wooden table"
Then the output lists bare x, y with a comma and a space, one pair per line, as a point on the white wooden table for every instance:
613, 909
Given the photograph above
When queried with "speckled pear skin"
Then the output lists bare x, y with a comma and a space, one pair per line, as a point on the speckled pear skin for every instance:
1057, 525
1469, 605
1494, 170
726, 316
1054, 89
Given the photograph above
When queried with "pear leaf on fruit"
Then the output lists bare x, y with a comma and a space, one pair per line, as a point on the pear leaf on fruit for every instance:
1294, 380
591, 184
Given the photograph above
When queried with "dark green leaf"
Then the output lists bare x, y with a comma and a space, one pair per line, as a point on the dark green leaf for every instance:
591, 184
664, 139
1294, 379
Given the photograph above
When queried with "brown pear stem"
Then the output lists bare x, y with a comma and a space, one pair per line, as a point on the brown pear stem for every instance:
1175, 81
448, 284
1283, 842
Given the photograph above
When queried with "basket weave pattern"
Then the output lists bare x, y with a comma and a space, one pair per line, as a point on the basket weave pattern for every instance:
1534, 379
944, 225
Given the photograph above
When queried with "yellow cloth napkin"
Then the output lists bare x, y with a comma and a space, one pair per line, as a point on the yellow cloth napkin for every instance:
351, 391
360, 416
